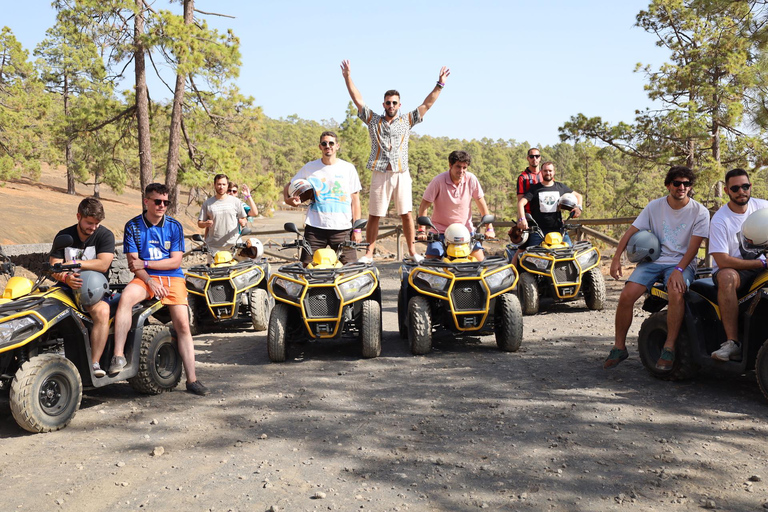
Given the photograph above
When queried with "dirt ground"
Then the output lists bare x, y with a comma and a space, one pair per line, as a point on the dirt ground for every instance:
464, 427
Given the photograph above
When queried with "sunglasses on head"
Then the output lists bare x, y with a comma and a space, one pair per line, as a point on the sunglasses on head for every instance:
534, 156
388, 103
162, 202
327, 143
744, 187
686, 184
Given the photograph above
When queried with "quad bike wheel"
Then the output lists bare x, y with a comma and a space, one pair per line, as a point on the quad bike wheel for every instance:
653, 334
419, 325
159, 362
402, 307
196, 323
761, 368
45, 393
370, 328
259, 304
528, 290
508, 322
277, 333
593, 285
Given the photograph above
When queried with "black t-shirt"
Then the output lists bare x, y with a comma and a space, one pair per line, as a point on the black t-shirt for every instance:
102, 240
543, 201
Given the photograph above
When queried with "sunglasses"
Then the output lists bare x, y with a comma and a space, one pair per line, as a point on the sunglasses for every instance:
162, 202
743, 187
534, 156
388, 103
686, 184
327, 143
233, 191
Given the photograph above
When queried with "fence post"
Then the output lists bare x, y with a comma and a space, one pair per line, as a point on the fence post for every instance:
399, 231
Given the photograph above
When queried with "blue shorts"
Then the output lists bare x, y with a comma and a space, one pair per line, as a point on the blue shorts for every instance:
437, 248
647, 274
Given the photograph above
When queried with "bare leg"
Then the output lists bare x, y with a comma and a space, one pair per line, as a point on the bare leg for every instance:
180, 319
409, 232
371, 232
132, 295
100, 315
629, 295
727, 283
479, 254
675, 312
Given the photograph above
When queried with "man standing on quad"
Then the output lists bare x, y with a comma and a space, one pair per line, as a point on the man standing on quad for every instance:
544, 199
734, 269
388, 161
680, 223
93, 247
153, 243
336, 204
221, 216
452, 193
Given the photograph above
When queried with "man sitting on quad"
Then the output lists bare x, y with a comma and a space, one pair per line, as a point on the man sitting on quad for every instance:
336, 200
93, 247
452, 193
544, 199
735, 268
680, 224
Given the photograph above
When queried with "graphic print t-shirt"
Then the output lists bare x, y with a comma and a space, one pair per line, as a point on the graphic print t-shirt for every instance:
543, 201
101, 241
334, 186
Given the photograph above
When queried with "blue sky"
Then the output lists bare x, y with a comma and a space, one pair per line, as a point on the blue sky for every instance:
518, 69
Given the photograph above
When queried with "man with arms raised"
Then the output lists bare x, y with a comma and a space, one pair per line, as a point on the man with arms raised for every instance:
153, 244
680, 223
93, 247
452, 193
336, 202
388, 162
735, 269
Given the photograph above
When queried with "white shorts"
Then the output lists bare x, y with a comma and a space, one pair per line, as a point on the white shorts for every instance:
386, 186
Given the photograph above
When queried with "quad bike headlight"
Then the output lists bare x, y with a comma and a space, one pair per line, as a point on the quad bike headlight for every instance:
198, 283
18, 329
500, 280
541, 264
587, 259
435, 282
292, 290
247, 278
356, 287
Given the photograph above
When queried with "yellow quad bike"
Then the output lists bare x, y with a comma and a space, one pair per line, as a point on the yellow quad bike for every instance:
324, 301
229, 290
559, 271
459, 293
45, 350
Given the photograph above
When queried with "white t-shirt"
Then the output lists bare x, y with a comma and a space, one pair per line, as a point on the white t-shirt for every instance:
334, 185
224, 212
673, 228
726, 226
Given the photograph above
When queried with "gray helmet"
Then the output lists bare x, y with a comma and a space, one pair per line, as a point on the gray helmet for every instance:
643, 246
95, 286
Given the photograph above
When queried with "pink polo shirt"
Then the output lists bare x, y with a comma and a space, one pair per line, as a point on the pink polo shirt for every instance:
452, 203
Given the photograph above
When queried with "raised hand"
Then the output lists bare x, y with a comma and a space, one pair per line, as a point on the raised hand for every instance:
444, 73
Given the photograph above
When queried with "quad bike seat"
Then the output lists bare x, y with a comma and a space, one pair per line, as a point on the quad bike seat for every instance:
706, 288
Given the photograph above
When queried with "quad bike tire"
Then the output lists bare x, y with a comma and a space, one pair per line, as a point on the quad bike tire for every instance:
593, 285
196, 323
508, 322
159, 362
46, 393
277, 333
528, 290
761, 368
259, 303
653, 334
370, 328
419, 325
402, 311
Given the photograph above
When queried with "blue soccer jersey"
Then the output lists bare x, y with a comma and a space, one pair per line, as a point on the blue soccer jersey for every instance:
153, 243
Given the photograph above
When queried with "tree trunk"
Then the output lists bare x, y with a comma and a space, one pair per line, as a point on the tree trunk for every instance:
716, 155
174, 135
68, 160
142, 100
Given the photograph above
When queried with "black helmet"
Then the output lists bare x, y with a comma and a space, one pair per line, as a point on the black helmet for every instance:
95, 286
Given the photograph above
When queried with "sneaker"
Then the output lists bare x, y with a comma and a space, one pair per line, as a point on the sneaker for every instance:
117, 364
365, 259
616, 356
729, 350
418, 258
667, 360
97, 371
197, 388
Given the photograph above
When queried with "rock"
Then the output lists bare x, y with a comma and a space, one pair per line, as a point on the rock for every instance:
120, 464
755, 478
319, 495
710, 504
263, 436
154, 422
158, 451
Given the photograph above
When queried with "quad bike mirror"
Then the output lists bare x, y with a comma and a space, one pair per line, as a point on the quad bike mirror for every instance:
61, 242
291, 227
487, 219
197, 237
360, 224
246, 231
425, 221
529, 218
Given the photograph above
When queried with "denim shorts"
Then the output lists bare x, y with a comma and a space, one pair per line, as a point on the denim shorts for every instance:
647, 274
437, 249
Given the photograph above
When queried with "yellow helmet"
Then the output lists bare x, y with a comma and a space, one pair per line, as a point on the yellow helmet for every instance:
324, 257
222, 257
554, 240
458, 250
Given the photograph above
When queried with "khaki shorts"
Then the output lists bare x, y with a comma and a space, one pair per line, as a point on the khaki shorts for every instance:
386, 186
176, 286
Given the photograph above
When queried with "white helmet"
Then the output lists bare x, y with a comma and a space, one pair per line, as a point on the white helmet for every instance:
643, 246
302, 189
568, 201
754, 232
457, 234
95, 286
253, 248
